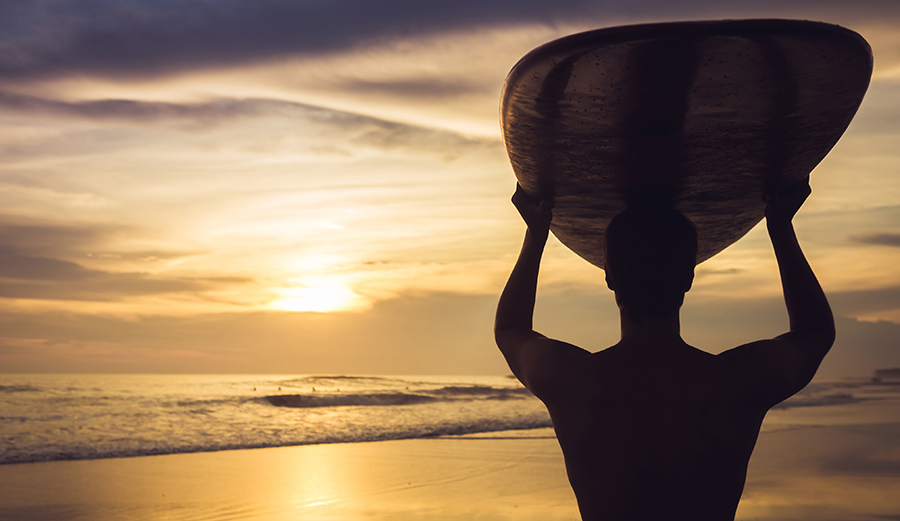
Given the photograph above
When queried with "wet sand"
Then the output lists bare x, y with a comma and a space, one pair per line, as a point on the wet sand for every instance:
487, 477
826, 463
808, 469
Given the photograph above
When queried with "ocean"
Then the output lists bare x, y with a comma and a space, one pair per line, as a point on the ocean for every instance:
71, 417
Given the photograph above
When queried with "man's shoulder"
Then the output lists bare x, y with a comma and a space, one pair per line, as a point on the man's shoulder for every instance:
747, 354
542, 364
770, 370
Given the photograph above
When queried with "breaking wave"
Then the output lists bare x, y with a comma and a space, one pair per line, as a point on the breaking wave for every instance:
382, 399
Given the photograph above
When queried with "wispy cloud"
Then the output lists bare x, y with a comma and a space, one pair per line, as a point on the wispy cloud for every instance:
140, 39
423, 88
865, 302
24, 276
880, 239
35, 263
51, 239
132, 110
41, 278
95, 285
31, 268
334, 126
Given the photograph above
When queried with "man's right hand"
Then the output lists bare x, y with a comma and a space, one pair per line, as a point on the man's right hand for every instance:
536, 214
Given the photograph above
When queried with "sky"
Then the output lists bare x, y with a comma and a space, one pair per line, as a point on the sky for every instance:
322, 187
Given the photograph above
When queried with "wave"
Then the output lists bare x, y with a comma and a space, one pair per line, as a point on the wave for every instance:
820, 401
18, 389
346, 400
446, 393
335, 381
499, 393
241, 413
887, 375
448, 429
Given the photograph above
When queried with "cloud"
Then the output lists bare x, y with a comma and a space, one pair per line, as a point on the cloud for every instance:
51, 239
99, 286
31, 277
23, 267
140, 39
33, 265
21, 238
302, 343
725, 271
390, 136
881, 239
80, 284
136, 39
428, 88
333, 128
243, 175
439, 333
862, 302
144, 111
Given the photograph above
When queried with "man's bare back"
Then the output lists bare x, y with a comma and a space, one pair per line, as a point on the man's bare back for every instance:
652, 428
666, 426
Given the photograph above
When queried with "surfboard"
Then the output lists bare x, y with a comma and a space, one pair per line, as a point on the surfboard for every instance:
706, 116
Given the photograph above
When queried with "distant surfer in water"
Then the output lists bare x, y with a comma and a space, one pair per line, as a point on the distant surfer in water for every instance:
653, 428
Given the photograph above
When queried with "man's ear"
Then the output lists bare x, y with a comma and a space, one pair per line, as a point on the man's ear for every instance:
610, 282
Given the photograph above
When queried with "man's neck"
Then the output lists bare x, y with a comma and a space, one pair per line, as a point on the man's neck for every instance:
662, 332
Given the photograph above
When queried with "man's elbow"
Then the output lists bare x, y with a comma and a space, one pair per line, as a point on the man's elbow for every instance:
825, 335
506, 337
511, 328
818, 340
818, 335
511, 340
827, 340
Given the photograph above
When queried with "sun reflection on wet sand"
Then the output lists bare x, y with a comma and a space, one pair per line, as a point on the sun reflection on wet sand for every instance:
441, 479
811, 464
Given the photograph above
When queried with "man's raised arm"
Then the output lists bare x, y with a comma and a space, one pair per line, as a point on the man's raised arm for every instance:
532, 357
795, 356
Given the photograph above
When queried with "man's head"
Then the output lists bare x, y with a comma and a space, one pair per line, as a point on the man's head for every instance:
650, 259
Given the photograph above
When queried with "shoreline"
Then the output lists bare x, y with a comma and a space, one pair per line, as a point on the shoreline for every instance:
824, 463
545, 432
447, 478
799, 472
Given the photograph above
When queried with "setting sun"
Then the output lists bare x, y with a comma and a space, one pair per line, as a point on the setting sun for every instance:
348, 184
319, 296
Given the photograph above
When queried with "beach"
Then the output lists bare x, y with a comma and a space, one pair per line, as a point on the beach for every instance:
275, 448
798, 472
512, 475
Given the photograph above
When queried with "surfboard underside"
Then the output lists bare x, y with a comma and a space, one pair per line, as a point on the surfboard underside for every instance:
705, 116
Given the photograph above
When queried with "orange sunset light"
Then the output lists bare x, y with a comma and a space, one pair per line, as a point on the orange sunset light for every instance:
354, 186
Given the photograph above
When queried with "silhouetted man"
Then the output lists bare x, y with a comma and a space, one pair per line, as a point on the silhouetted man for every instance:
651, 428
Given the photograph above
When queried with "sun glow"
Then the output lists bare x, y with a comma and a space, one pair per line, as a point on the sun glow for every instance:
319, 296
